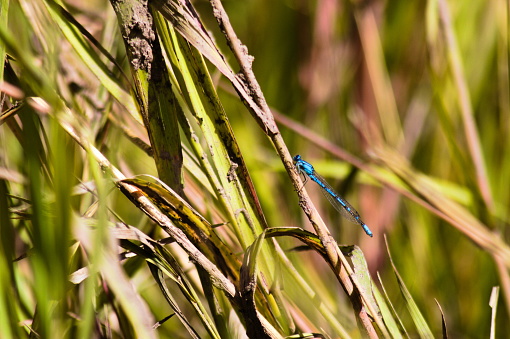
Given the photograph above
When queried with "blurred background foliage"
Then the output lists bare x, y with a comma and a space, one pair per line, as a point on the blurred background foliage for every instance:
402, 105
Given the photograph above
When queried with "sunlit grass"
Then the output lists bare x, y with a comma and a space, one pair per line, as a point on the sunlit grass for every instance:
402, 106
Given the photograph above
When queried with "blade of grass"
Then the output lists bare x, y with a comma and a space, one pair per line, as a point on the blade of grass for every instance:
419, 320
91, 59
379, 79
443, 321
389, 314
8, 290
470, 129
493, 303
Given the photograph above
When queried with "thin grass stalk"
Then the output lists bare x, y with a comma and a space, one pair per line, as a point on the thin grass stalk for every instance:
470, 130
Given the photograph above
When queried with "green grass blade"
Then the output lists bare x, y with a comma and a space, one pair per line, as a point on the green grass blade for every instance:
388, 314
91, 59
8, 326
443, 321
418, 319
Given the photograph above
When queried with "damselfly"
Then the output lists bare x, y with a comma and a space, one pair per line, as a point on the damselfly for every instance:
340, 204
